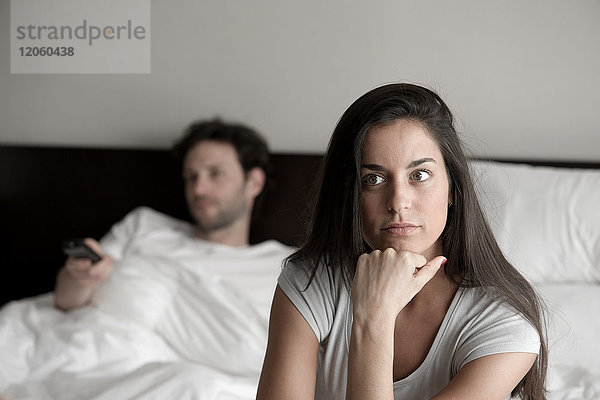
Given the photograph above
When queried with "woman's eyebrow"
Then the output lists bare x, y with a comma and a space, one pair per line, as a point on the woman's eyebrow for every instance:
373, 167
420, 161
380, 168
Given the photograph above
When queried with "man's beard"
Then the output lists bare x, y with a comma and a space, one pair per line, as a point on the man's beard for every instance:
224, 218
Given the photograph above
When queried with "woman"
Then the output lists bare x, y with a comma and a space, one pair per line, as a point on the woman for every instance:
400, 290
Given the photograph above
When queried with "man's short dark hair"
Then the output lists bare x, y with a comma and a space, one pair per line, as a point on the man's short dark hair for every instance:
251, 148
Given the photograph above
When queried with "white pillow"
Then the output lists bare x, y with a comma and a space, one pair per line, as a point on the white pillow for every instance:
546, 219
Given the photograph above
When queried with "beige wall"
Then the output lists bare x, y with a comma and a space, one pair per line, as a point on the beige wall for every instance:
522, 76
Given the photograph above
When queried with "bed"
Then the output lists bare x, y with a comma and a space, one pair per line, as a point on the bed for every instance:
546, 221
545, 218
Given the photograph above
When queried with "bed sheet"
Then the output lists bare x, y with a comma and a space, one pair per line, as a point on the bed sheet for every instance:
187, 335
574, 348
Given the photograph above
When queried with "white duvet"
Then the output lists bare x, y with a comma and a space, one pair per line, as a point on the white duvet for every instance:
178, 318
89, 354
93, 354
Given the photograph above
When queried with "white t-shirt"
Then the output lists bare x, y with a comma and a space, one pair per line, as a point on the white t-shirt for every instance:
210, 302
475, 325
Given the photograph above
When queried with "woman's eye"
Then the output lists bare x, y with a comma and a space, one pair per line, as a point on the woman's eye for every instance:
373, 179
420, 175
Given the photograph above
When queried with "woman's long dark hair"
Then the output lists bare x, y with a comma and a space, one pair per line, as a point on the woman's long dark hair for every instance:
334, 230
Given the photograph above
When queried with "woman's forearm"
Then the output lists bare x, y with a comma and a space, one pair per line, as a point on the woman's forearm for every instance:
371, 361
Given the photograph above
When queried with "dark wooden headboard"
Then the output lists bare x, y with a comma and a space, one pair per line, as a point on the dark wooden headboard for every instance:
48, 194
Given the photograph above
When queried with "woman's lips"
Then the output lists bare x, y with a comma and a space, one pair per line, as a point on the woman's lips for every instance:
400, 229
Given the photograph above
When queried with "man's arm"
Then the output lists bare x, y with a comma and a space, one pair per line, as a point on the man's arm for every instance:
78, 278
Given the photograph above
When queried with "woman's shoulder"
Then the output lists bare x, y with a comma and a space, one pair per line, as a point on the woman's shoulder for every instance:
484, 309
306, 274
483, 323
477, 300
317, 292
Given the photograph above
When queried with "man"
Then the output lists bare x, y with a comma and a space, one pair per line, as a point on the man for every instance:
173, 310
224, 170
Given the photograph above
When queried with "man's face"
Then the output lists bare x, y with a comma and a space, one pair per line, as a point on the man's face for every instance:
216, 188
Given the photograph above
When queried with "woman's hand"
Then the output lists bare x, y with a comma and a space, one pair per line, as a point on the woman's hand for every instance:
385, 281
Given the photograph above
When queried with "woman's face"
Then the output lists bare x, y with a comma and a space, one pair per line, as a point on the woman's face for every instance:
405, 189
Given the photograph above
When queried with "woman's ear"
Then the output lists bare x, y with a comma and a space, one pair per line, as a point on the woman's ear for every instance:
255, 181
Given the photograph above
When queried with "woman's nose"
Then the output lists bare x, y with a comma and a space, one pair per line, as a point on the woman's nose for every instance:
399, 198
